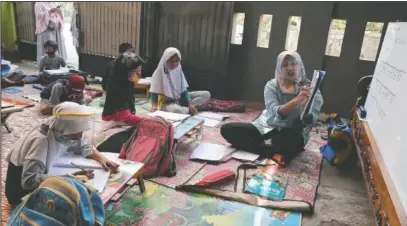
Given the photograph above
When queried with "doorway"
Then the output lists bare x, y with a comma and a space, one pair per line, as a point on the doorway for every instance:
69, 13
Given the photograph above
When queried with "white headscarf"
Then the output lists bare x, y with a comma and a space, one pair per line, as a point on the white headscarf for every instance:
160, 82
300, 71
45, 147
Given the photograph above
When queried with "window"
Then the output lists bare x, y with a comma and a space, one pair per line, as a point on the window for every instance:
371, 41
237, 29
263, 35
335, 38
293, 33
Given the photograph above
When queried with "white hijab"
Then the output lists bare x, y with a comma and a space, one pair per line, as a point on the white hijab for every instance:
160, 82
44, 147
300, 71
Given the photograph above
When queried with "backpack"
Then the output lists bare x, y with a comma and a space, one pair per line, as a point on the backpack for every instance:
152, 143
340, 144
60, 201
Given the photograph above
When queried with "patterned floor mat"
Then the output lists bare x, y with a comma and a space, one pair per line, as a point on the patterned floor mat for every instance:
186, 168
163, 206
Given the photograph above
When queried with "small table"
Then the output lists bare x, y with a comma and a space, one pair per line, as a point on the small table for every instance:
145, 87
130, 172
6, 112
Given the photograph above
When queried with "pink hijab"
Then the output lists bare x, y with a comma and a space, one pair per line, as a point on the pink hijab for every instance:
43, 17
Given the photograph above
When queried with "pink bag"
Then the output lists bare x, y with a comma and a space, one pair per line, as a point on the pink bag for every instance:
152, 143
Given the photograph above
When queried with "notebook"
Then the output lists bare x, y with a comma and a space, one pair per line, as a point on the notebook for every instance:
211, 119
210, 152
59, 71
98, 182
245, 156
101, 176
66, 161
169, 116
5, 104
145, 81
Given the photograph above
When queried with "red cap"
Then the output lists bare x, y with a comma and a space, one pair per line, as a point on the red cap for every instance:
76, 82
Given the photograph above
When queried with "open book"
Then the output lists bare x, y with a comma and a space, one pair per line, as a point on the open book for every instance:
59, 71
317, 79
210, 152
63, 165
169, 116
211, 119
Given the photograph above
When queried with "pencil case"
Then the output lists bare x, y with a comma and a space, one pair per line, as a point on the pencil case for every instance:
216, 178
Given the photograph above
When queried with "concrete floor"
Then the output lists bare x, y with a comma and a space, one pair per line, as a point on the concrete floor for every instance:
341, 198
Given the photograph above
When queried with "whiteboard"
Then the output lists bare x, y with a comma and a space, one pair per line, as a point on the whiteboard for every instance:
386, 106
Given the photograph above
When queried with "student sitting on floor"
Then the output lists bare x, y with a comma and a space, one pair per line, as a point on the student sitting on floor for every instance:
120, 100
31, 157
169, 88
110, 67
9, 79
63, 90
52, 60
285, 97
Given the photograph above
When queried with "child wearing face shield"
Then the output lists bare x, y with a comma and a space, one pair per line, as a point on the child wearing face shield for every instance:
33, 155
51, 61
120, 101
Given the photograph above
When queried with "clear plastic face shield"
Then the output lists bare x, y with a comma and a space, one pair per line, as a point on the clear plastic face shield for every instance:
76, 128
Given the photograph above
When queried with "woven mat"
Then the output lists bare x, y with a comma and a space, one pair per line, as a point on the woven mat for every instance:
20, 123
163, 206
185, 168
303, 173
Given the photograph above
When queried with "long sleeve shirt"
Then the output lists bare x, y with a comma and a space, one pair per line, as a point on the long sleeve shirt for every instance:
160, 99
34, 171
271, 119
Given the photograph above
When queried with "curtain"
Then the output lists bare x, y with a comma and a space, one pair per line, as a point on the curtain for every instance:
8, 27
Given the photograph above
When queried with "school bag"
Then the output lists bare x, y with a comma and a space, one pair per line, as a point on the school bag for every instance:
152, 143
340, 144
60, 201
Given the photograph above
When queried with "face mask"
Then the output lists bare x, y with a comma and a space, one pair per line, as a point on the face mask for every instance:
50, 53
68, 142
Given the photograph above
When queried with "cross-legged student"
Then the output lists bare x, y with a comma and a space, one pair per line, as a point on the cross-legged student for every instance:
51, 61
169, 88
120, 101
110, 66
285, 96
63, 90
31, 157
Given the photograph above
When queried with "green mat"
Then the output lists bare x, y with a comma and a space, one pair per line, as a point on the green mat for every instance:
164, 206
142, 105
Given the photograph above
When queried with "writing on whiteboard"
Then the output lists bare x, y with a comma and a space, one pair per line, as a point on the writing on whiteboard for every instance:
384, 92
396, 40
378, 108
385, 69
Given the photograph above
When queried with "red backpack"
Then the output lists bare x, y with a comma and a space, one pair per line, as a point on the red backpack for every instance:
152, 143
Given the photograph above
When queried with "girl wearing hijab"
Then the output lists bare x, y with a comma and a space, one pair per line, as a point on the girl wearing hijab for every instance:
285, 97
169, 88
33, 155
120, 101
49, 21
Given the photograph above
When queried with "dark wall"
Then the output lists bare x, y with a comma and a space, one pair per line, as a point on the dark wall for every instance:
250, 67
343, 72
253, 65
201, 31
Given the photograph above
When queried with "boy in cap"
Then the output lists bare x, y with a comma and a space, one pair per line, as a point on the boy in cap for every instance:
63, 90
